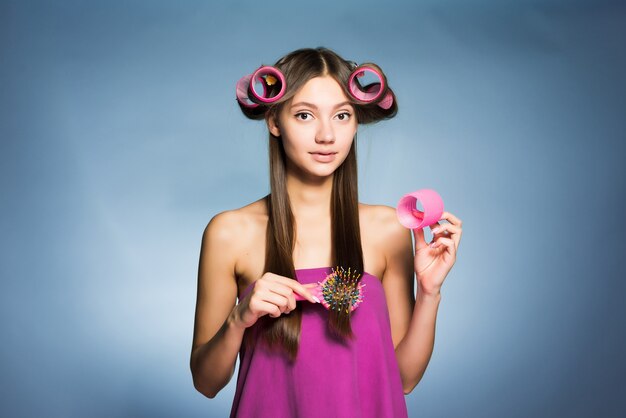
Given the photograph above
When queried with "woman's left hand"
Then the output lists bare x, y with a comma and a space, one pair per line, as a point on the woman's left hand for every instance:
434, 261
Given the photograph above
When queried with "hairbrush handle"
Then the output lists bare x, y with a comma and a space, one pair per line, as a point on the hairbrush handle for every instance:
315, 291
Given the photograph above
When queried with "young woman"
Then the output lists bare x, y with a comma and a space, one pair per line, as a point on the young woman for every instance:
297, 357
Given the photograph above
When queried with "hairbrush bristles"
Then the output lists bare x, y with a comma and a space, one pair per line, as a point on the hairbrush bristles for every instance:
341, 290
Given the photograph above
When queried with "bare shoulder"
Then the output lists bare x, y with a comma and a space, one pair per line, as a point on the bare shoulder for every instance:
382, 229
236, 226
232, 221
381, 221
242, 235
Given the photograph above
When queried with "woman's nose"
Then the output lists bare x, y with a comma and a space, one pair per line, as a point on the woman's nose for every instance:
325, 133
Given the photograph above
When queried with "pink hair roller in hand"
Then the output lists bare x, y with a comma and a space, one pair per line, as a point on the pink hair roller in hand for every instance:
372, 91
412, 218
268, 76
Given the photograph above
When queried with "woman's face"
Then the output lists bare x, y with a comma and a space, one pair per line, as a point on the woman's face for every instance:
317, 127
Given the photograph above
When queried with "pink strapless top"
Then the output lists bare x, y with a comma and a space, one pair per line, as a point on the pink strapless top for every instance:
355, 379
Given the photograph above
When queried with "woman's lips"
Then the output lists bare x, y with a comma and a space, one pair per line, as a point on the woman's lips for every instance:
323, 157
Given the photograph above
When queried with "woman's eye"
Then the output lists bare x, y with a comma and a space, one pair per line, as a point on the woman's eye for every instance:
307, 116
302, 114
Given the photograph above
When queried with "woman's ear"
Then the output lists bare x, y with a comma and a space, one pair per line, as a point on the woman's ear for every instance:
272, 125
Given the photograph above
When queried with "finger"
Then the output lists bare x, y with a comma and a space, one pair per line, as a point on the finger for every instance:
295, 286
446, 228
275, 292
420, 242
434, 228
291, 295
268, 308
451, 218
311, 285
455, 225
278, 299
447, 243
455, 232
314, 288
306, 292
302, 290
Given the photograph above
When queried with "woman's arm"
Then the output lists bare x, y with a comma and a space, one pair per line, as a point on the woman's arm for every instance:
431, 263
415, 349
412, 321
217, 332
213, 363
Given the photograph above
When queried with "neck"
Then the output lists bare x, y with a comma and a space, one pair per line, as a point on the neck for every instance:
310, 198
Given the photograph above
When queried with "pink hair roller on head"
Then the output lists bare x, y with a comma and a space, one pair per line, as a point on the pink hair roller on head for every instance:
268, 76
371, 92
412, 218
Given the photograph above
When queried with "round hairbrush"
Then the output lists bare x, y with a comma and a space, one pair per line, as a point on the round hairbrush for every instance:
340, 290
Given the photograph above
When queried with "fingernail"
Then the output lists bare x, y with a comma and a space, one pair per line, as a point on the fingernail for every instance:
433, 245
436, 230
316, 299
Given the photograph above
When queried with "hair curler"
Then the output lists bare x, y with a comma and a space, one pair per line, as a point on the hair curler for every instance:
268, 76
412, 218
372, 91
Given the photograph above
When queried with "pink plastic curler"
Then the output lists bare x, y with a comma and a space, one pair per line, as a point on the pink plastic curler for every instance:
245, 86
371, 92
412, 218
242, 91
265, 71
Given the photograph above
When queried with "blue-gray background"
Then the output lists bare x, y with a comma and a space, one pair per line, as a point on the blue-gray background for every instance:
121, 138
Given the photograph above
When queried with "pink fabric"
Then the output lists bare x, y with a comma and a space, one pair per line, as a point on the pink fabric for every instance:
358, 379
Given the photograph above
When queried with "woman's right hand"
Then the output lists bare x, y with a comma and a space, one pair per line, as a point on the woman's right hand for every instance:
271, 295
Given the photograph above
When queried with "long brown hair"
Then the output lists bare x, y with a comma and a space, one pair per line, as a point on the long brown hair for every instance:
298, 67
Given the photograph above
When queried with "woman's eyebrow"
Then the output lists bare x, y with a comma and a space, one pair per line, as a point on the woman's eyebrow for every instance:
315, 107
